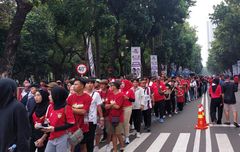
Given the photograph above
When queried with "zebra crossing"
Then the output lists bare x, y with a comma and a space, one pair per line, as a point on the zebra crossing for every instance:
181, 144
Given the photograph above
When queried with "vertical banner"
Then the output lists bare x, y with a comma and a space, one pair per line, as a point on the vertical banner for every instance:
238, 64
90, 58
154, 65
136, 61
235, 68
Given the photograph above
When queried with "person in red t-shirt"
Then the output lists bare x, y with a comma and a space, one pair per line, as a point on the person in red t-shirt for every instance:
80, 103
159, 88
39, 139
127, 106
216, 105
60, 117
180, 97
115, 106
105, 93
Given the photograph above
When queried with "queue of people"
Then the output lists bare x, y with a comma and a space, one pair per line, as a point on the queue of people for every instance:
104, 110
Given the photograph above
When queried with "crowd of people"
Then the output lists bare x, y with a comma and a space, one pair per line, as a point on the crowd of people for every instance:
222, 94
103, 110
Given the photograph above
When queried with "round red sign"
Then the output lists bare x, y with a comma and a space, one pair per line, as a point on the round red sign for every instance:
81, 69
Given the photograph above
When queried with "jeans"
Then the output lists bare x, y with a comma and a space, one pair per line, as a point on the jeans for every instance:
58, 144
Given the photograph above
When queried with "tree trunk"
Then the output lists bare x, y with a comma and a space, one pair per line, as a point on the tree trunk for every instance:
8, 59
115, 52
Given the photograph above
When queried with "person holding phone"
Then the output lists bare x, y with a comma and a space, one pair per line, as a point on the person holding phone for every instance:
60, 116
39, 138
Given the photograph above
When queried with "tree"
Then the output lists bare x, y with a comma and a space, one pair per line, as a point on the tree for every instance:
225, 48
8, 57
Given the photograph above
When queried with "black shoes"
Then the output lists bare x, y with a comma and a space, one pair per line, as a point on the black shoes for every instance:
236, 125
227, 123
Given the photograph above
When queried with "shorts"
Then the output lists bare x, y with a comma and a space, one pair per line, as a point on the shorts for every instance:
230, 107
114, 129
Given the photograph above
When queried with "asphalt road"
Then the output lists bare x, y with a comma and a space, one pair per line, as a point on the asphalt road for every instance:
179, 135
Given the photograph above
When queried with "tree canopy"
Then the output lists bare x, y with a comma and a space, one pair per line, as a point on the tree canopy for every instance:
54, 36
226, 45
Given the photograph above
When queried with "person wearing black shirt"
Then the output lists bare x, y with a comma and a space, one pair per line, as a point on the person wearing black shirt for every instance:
229, 99
14, 124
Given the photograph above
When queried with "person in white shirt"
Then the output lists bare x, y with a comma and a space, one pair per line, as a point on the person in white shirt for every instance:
147, 105
193, 89
137, 105
95, 109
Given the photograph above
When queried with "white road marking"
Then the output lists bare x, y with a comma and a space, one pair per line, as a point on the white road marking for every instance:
136, 142
197, 136
224, 144
159, 142
208, 135
182, 142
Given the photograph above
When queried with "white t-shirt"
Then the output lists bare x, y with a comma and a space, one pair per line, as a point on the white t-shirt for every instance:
96, 100
147, 103
139, 98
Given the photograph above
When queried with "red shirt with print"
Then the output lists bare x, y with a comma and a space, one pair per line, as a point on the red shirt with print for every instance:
158, 97
37, 119
118, 99
105, 96
59, 118
84, 102
180, 95
130, 94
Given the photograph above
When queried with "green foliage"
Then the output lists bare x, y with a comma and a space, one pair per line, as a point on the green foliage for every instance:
225, 48
54, 36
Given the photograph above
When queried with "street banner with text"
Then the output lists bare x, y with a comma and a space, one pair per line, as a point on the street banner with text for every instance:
154, 65
136, 61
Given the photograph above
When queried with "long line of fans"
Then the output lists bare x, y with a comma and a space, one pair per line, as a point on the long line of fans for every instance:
103, 110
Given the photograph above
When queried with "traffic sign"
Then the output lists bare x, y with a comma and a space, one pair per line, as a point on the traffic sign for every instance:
82, 69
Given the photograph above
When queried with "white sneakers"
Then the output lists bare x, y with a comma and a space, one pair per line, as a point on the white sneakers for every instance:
96, 149
127, 140
138, 135
108, 148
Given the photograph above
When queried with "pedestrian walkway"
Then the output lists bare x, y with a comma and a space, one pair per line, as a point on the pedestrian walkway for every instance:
181, 143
